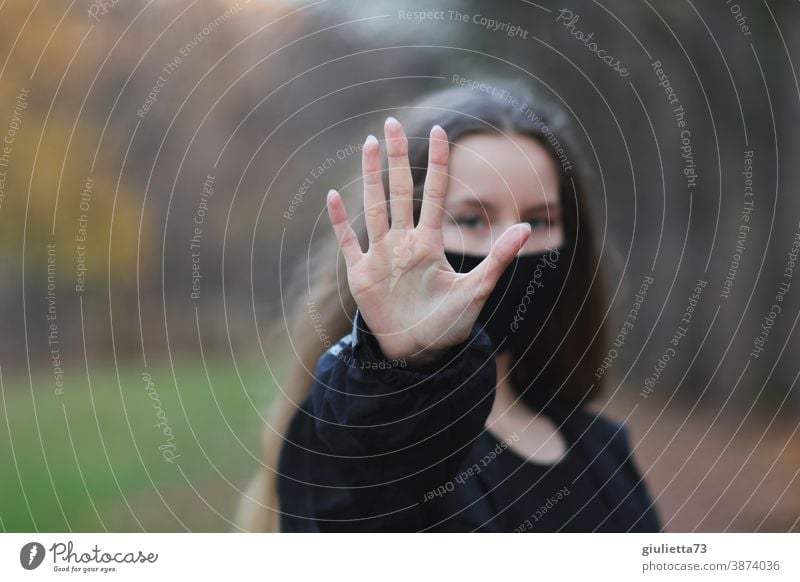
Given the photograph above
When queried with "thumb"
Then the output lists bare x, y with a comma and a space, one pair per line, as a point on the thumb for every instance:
484, 277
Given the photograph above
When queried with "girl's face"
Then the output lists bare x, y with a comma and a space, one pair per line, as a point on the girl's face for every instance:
497, 181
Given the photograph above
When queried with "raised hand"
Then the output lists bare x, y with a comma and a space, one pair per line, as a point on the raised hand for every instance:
416, 305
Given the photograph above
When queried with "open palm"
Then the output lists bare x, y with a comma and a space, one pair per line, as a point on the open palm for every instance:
416, 305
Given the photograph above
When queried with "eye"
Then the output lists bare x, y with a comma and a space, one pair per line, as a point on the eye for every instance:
538, 222
471, 221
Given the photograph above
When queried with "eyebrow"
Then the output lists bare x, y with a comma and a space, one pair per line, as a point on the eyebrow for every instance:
488, 206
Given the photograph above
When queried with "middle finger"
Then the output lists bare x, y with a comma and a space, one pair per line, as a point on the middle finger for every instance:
401, 185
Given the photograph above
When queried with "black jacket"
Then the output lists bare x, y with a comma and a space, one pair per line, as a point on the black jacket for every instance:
381, 446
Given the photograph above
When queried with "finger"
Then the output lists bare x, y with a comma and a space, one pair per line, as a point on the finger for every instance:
484, 277
401, 186
375, 213
348, 241
436, 180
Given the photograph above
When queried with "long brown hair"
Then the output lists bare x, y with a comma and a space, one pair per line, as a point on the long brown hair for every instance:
558, 366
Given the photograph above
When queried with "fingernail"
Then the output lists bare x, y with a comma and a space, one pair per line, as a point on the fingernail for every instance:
391, 119
435, 126
371, 138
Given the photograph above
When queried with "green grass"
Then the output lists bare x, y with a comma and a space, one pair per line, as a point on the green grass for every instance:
89, 459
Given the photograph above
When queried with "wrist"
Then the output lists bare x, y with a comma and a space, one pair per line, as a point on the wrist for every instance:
426, 357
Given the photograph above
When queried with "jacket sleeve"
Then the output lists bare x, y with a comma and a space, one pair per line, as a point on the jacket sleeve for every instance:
388, 432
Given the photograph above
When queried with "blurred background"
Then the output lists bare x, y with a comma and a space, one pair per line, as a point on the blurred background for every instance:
163, 171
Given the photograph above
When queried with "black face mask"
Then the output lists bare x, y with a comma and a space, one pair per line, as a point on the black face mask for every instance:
523, 297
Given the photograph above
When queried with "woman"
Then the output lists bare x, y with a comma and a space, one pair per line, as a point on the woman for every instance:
470, 313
